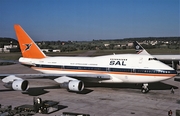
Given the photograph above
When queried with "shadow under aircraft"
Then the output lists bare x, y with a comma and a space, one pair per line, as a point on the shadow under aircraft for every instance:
36, 91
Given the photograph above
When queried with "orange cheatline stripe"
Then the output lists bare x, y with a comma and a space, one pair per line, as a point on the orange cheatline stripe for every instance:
104, 72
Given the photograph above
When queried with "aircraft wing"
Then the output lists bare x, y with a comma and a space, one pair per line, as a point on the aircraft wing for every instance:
6, 62
168, 57
84, 77
73, 82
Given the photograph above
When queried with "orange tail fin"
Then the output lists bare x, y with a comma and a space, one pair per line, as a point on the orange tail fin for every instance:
28, 47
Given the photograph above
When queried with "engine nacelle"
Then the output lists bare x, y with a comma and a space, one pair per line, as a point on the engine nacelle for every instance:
74, 85
15, 83
21, 85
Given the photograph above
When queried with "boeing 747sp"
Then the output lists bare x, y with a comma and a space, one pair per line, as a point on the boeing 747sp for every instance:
72, 72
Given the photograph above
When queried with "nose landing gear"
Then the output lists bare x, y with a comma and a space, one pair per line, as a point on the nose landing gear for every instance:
145, 88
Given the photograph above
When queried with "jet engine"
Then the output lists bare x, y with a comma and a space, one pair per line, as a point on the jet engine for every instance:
21, 85
74, 85
15, 83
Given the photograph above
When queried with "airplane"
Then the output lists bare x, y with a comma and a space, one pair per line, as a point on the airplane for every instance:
72, 72
168, 59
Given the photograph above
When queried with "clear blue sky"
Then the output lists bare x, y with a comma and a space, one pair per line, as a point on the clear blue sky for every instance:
90, 19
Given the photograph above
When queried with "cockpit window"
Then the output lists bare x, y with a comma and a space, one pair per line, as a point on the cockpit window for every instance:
153, 59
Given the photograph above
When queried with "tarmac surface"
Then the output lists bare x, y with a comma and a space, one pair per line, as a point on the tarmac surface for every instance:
97, 99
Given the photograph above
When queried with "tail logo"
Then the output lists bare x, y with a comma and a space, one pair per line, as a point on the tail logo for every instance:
138, 50
137, 47
28, 46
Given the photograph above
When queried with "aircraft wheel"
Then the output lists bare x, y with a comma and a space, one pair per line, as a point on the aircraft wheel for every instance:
144, 90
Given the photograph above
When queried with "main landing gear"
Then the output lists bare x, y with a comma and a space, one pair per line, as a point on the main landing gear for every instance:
145, 88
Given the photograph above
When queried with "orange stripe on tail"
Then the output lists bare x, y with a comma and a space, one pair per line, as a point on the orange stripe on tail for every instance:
28, 47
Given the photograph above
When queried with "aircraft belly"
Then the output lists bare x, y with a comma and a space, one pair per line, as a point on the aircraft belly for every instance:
143, 79
137, 79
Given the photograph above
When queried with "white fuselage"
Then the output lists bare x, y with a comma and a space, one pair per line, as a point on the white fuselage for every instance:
127, 68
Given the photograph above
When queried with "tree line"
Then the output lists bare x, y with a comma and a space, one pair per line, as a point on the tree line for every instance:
112, 44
